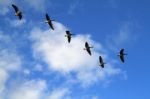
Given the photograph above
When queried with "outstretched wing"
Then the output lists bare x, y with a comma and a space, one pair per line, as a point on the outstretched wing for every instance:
122, 58
47, 17
20, 16
68, 36
121, 51
15, 7
89, 51
100, 60
51, 25
69, 39
86, 45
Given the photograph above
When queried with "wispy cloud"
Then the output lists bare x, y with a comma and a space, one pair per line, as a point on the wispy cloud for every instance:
74, 6
17, 23
4, 39
124, 36
59, 93
37, 5
10, 62
3, 78
28, 90
95, 97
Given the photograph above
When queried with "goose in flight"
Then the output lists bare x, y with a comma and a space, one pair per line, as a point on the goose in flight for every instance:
101, 62
121, 55
87, 48
17, 11
68, 35
49, 21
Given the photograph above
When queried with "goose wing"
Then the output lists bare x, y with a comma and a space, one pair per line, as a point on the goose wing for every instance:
122, 58
86, 45
69, 38
47, 17
15, 7
20, 16
89, 51
100, 60
121, 51
51, 25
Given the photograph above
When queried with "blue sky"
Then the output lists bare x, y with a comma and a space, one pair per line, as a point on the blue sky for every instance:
38, 63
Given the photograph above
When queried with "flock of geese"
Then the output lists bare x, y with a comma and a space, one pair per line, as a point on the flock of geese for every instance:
69, 35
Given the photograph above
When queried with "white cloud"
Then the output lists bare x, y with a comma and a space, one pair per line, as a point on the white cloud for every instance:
88, 77
26, 72
55, 45
17, 22
122, 36
3, 78
9, 62
38, 5
59, 93
36, 89
53, 48
28, 90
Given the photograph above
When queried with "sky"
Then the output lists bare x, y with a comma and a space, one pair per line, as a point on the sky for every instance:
38, 63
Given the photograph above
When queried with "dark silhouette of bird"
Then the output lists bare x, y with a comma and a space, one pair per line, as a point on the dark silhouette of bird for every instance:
87, 48
121, 55
101, 62
17, 11
68, 35
49, 21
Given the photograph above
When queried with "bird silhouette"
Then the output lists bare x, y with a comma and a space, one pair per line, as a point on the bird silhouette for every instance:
121, 55
49, 21
17, 11
101, 62
68, 35
87, 48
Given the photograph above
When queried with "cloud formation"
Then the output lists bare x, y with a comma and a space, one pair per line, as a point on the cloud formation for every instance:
52, 47
28, 90
9, 62
124, 35
59, 93
17, 23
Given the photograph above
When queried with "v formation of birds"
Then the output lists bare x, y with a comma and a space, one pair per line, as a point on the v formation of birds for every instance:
69, 36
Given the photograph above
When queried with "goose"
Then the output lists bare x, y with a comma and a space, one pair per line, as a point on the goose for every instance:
68, 35
101, 62
17, 11
49, 21
121, 55
87, 48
